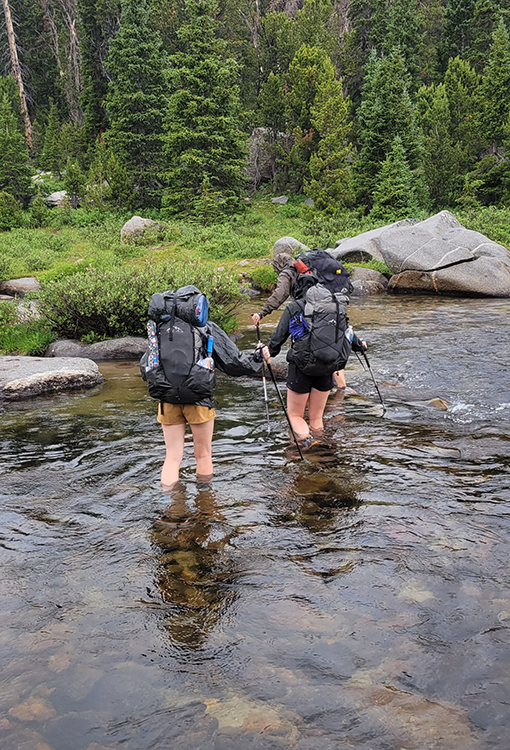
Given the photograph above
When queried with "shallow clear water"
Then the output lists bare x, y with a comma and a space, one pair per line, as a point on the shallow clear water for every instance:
358, 600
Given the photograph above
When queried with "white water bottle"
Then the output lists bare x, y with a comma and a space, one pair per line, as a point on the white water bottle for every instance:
208, 361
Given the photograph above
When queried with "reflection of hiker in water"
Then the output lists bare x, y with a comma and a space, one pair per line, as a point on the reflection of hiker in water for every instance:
179, 370
283, 264
192, 565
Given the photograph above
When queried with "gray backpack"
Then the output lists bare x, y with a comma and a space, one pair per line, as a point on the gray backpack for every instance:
321, 335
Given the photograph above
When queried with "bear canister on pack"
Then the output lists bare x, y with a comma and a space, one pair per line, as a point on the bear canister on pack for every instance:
177, 343
321, 342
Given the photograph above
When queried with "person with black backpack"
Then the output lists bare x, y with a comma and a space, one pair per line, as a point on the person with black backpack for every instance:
322, 340
319, 262
184, 348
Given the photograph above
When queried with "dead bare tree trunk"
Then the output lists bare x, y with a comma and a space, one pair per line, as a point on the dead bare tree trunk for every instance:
68, 54
16, 70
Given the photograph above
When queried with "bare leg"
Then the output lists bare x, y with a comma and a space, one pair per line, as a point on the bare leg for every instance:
339, 376
202, 446
316, 406
174, 442
296, 405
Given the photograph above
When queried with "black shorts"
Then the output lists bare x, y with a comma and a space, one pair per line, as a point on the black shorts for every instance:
298, 382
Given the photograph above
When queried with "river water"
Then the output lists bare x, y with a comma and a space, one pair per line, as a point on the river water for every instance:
357, 600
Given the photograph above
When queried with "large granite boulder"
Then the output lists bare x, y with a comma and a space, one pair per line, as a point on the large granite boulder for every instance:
19, 287
288, 245
129, 347
26, 377
137, 227
436, 256
367, 281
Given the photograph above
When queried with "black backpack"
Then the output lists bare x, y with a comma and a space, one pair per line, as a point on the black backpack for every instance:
321, 335
326, 269
177, 341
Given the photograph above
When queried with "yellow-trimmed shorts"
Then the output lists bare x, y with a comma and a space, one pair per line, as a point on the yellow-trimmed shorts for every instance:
182, 413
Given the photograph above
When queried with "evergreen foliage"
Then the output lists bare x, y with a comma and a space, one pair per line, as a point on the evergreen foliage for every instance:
395, 197
495, 88
15, 171
205, 146
136, 102
51, 152
457, 29
386, 111
330, 185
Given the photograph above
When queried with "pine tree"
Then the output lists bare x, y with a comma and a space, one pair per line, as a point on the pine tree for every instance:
495, 101
15, 172
485, 19
386, 111
330, 185
430, 18
462, 85
97, 20
394, 197
74, 183
404, 32
310, 72
50, 157
368, 21
441, 162
136, 101
205, 146
457, 29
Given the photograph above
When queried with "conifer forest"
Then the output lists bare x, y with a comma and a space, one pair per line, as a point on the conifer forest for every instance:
386, 106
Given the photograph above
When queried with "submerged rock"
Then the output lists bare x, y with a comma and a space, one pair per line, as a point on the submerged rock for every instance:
26, 377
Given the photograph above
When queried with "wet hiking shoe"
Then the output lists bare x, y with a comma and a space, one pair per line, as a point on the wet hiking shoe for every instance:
309, 442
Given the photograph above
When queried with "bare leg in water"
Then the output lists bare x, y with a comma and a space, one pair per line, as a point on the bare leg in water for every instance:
296, 405
202, 446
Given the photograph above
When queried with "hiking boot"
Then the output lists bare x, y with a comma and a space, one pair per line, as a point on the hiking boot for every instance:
308, 443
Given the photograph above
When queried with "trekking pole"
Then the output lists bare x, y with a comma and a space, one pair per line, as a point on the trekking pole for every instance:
265, 384
285, 410
376, 386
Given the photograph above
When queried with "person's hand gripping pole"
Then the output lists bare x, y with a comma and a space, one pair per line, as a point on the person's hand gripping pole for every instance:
265, 355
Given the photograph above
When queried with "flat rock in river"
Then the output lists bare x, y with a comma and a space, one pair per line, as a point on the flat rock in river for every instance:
26, 377
129, 347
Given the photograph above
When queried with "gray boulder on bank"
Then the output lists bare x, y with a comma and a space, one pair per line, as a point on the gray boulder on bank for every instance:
26, 377
367, 281
136, 227
435, 256
288, 245
130, 347
19, 287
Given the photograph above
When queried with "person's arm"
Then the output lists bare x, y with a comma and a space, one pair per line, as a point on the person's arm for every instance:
281, 332
282, 291
227, 356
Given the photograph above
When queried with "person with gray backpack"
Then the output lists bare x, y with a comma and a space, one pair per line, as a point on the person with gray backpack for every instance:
322, 340
184, 348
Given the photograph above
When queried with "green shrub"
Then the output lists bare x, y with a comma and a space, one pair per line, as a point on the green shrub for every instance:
26, 339
8, 314
10, 211
5, 268
39, 212
264, 278
111, 303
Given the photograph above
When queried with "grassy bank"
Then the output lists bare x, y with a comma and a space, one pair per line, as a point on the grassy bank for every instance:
96, 287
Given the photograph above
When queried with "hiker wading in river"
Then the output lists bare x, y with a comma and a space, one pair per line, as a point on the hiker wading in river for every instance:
283, 264
184, 349
322, 340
